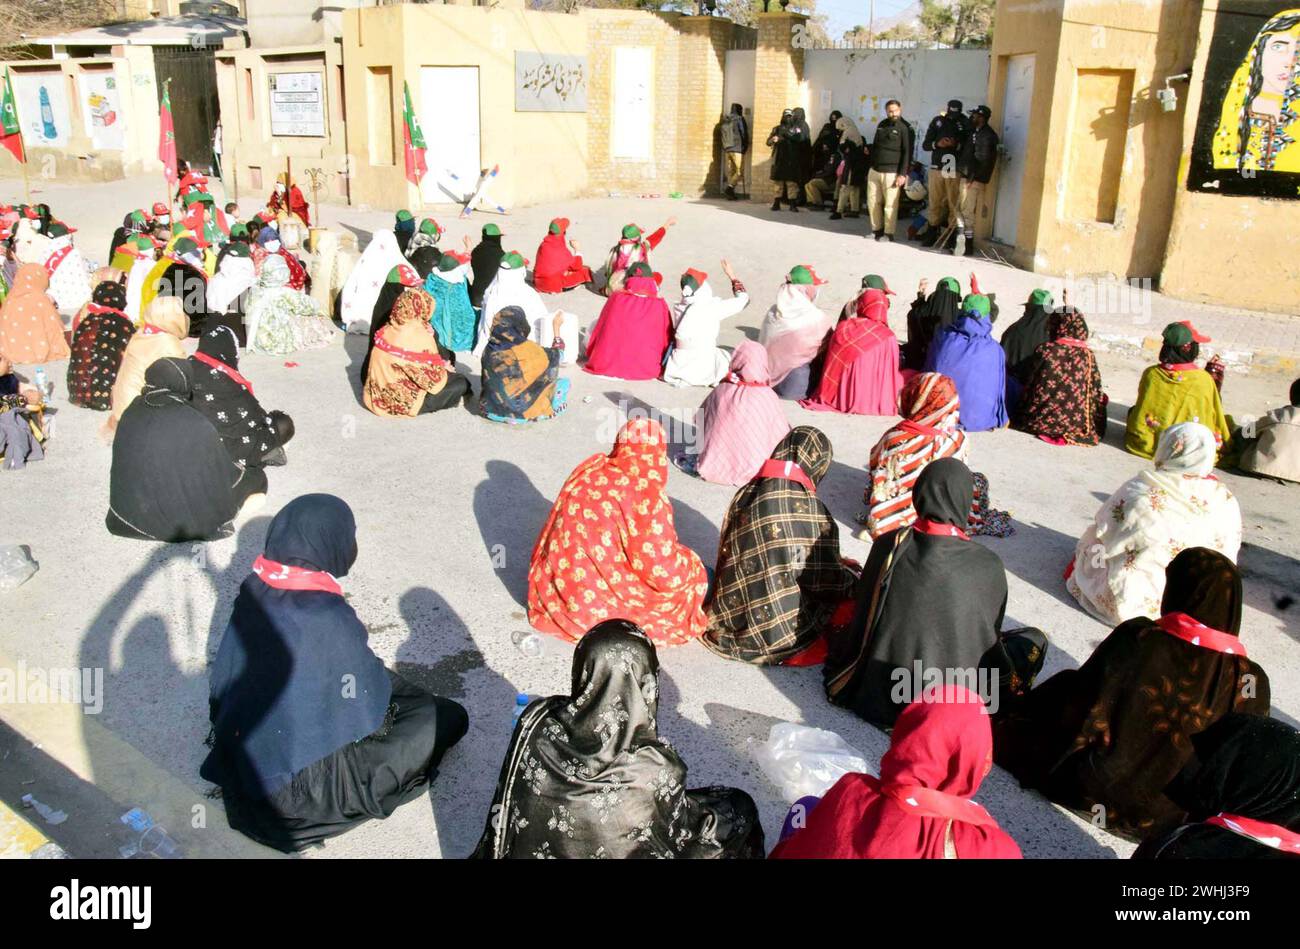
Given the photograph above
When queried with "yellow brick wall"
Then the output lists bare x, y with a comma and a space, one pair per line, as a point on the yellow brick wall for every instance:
778, 72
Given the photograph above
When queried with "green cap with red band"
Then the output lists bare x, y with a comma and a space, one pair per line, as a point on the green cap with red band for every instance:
693, 279
803, 275
404, 274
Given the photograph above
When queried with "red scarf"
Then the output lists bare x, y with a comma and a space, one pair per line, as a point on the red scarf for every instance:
221, 367
285, 577
1068, 341
57, 258
1192, 630
926, 802
787, 470
99, 309
923, 525
1179, 366
1262, 832
424, 359
148, 329
916, 428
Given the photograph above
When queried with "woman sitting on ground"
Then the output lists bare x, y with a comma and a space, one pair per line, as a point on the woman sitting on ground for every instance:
510, 288
921, 807
400, 279
1173, 391
559, 265
586, 775
1107, 739
740, 422
229, 287
967, 354
521, 380
1270, 445
794, 332
270, 245
632, 333
311, 735
282, 320
253, 436
454, 319
859, 371
406, 376
159, 337
172, 479
929, 599
609, 549
695, 358
1118, 570
780, 577
31, 330
1063, 402
98, 343
1020, 341
927, 316
1241, 793
632, 248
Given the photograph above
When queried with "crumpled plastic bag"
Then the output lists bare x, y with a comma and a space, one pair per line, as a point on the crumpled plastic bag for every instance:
804, 761
16, 567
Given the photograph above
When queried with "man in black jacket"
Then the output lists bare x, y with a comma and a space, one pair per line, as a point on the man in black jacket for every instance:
891, 157
975, 166
944, 140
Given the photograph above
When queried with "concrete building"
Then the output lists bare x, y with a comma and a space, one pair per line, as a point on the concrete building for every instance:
1094, 179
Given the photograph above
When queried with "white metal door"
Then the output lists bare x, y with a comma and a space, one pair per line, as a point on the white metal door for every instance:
1017, 100
449, 117
738, 86
633, 98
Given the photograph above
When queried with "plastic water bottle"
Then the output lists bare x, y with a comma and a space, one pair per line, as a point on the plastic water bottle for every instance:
528, 642
41, 382
521, 702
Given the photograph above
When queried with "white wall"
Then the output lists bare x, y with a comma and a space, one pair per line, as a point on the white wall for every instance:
858, 82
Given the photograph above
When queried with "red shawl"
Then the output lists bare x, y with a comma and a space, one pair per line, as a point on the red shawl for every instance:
940, 751
609, 549
631, 334
557, 267
860, 375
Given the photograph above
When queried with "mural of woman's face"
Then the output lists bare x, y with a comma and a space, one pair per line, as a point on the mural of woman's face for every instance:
1277, 61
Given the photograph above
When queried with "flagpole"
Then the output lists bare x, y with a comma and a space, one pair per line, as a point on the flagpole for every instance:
169, 201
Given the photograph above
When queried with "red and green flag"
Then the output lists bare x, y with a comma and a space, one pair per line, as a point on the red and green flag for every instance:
167, 136
11, 133
413, 140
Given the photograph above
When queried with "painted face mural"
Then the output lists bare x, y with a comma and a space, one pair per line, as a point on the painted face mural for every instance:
1248, 131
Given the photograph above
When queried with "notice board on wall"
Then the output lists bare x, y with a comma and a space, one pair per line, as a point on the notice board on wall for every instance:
298, 104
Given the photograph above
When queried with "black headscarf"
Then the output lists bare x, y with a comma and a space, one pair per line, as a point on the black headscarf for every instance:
171, 478
1022, 338
1117, 730
507, 391
779, 575
246, 429
1246, 766
587, 775
424, 259
294, 679
934, 599
111, 294
484, 261
926, 317
97, 347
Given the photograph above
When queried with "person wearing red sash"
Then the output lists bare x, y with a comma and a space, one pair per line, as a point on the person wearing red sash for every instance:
406, 376
780, 578
253, 436
921, 807
98, 342
311, 734
1107, 738
1241, 793
1063, 402
930, 605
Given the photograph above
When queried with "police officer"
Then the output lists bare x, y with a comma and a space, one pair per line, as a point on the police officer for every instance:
975, 165
944, 140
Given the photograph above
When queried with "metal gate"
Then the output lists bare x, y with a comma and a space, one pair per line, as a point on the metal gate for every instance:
193, 75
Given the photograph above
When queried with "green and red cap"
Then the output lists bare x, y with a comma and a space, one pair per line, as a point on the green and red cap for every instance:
559, 225
876, 282
404, 274
693, 279
805, 276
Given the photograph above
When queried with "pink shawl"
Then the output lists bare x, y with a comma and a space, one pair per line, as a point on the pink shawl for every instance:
631, 334
741, 421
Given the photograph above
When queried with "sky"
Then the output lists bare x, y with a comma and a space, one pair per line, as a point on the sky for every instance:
843, 15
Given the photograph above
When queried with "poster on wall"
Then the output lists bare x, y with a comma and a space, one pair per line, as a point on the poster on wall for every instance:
298, 104
550, 82
1247, 138
42, 107
633, 112
101, 108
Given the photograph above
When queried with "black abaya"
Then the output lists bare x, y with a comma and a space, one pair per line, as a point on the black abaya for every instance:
484, 261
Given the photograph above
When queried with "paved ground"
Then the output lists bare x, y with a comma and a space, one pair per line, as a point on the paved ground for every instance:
448, 508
